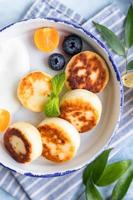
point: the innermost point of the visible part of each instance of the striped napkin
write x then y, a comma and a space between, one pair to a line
69, 186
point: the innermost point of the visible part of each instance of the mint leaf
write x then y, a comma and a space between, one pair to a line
112, 172
122, 185
91, 191
99, 165
87, 173
130, 65
112, 40
129, 28
58, 83
52, 107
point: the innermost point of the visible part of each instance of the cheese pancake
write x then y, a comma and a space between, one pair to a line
34, 89
87, 70
60, 139
81, 108
23, 142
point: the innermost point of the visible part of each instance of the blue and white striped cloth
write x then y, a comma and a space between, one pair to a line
69, 186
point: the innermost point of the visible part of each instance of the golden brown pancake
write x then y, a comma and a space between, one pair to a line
60, 139
81, 108
87, 70
33, 90
23, 142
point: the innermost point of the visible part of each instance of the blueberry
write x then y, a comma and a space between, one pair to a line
56, 61
72, 44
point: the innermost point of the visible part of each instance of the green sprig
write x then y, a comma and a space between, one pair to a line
100, 173
51, 108
118, 46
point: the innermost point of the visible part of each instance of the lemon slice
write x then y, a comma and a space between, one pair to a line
128, 80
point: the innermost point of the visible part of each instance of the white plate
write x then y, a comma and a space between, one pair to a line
95, 141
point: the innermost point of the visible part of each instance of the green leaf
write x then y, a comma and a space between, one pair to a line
58, 83
112, 40
87, 173
122, 185
113, 171
99, 165
130, 65
95, 168
129, 28
91, 191
52, 107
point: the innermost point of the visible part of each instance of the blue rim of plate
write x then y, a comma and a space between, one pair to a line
118, 77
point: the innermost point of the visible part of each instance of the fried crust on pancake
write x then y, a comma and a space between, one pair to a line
87, 70
60, 140
23, 142
81, 108
33, 90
